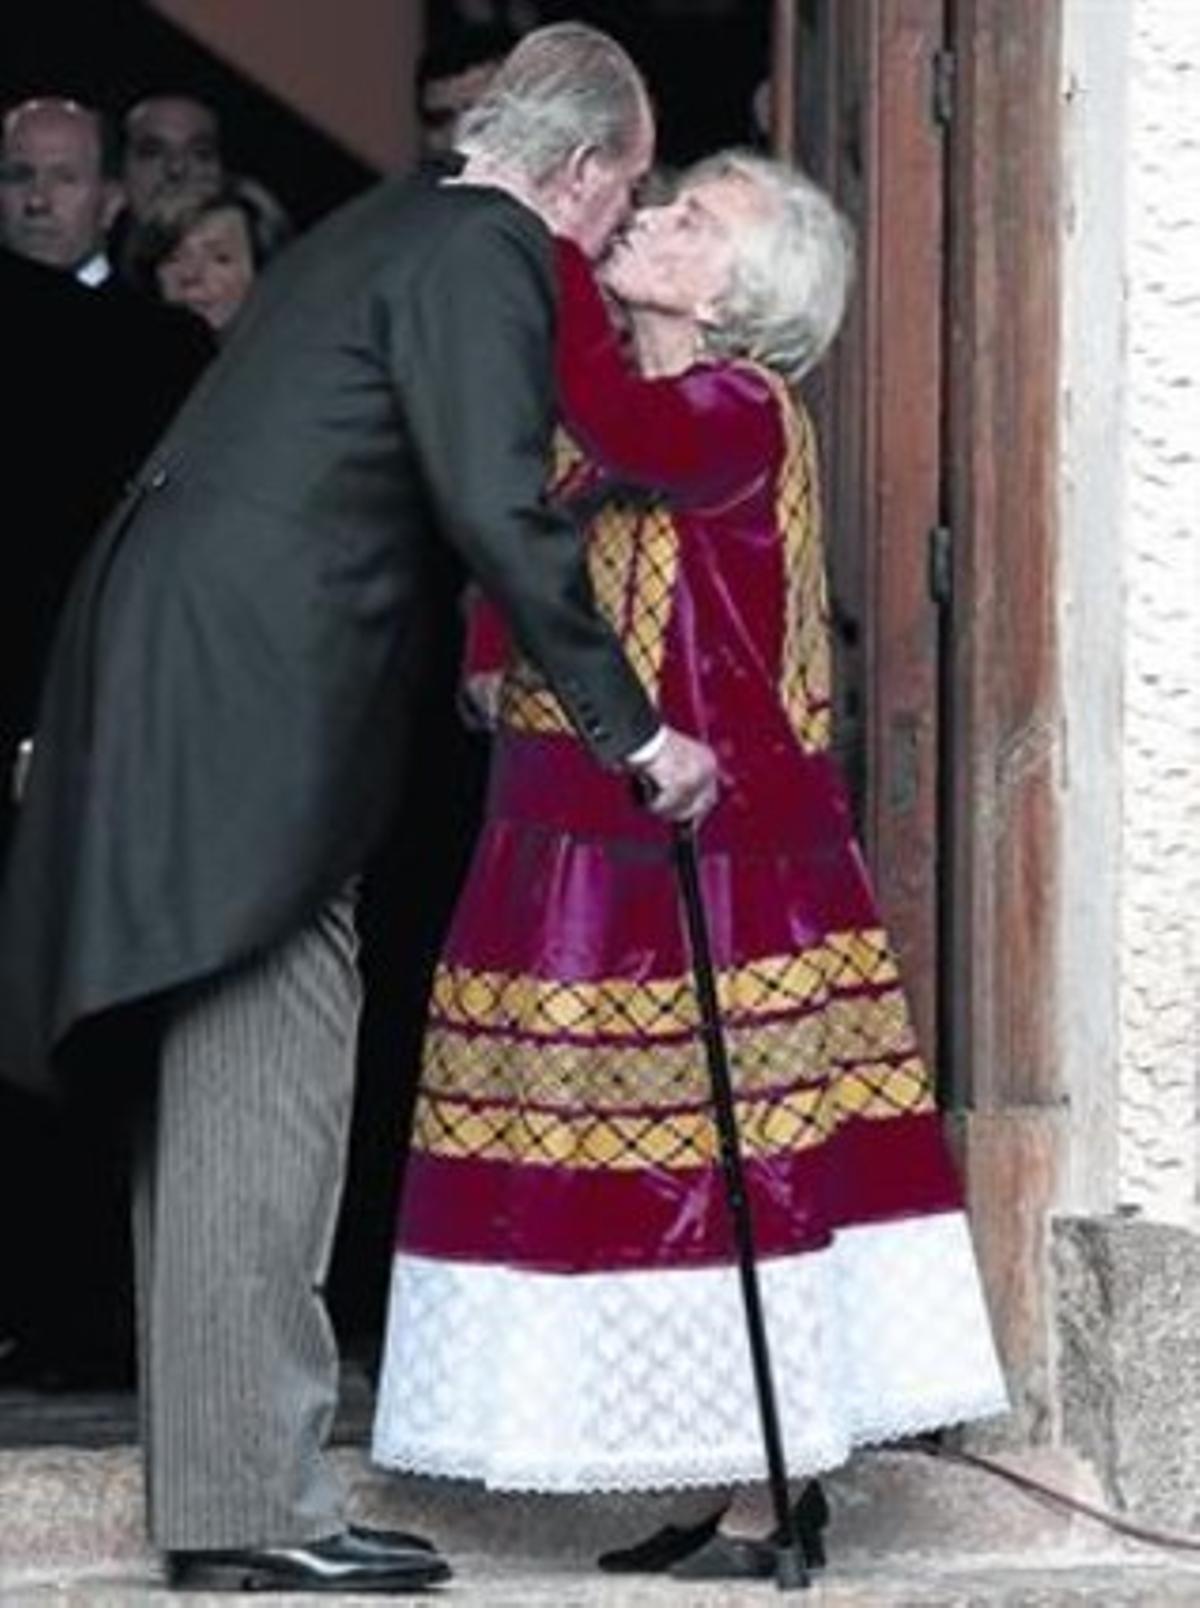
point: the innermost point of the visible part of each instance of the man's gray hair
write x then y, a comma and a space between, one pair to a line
792, 271
66, 107
563, 87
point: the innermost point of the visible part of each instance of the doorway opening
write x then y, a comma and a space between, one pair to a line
66, 1330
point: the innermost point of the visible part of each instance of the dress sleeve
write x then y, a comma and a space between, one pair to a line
702, 437
486, 639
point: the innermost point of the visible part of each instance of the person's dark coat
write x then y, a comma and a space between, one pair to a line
91, 380
223, 723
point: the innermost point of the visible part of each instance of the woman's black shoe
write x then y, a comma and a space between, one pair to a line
659, 1551
810, 1515
676, 1548
728, 1557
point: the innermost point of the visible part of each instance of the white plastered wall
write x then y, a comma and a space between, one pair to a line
1159, 1131
1130, 597
1095, 123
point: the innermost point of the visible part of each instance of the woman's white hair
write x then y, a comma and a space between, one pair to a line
562, 88
792, 270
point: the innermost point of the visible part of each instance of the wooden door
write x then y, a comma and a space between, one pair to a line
952, 177
857, 87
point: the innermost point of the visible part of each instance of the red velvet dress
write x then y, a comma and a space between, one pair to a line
565, 1314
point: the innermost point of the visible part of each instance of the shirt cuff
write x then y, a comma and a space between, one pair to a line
646, 753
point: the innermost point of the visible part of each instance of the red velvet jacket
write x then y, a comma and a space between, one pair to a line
712, 572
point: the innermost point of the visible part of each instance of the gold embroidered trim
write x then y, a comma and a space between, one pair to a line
765, 1056
807, 671
806, 1117
633, 557
616, 1007
633, 560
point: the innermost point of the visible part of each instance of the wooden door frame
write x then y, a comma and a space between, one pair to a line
1004, 715
998, 743
1002, 489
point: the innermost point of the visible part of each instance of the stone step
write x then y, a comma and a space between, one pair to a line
905, 1529
486, 1583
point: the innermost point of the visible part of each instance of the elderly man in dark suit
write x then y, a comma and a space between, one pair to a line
222, 740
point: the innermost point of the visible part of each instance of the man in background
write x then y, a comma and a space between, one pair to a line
92, 377
455, 68
93, 374
172, 155
58, 198
171, 160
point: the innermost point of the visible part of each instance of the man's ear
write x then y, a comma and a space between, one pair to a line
580, 166
553, 201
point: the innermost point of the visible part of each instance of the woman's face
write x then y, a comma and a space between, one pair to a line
212, 268
679, 258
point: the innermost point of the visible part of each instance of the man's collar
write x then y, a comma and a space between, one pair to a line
442, 164
95, 270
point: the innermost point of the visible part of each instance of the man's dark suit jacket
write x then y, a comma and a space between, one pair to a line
92, 380
224, 716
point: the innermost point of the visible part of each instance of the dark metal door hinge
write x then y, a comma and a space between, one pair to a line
941, 565
943, 87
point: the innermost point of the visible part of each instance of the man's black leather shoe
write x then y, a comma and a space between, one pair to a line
355, 1561
390, 1538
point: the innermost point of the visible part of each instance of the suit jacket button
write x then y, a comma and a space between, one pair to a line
158, 479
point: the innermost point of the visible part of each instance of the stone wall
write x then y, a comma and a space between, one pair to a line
1128, 1307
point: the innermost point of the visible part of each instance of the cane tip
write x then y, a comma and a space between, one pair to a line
790, 1572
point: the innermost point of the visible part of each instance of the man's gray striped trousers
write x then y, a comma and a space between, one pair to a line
238, 1172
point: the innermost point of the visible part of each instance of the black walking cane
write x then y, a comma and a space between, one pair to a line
790, 1571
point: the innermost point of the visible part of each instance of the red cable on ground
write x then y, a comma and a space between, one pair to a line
1047, 1493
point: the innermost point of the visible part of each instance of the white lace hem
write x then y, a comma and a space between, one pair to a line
637, 1381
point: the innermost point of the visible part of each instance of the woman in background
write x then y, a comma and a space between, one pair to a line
207, 257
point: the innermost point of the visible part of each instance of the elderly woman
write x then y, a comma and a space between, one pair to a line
207, 257
565, 1314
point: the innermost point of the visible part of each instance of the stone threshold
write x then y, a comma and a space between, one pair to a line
905, 1529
